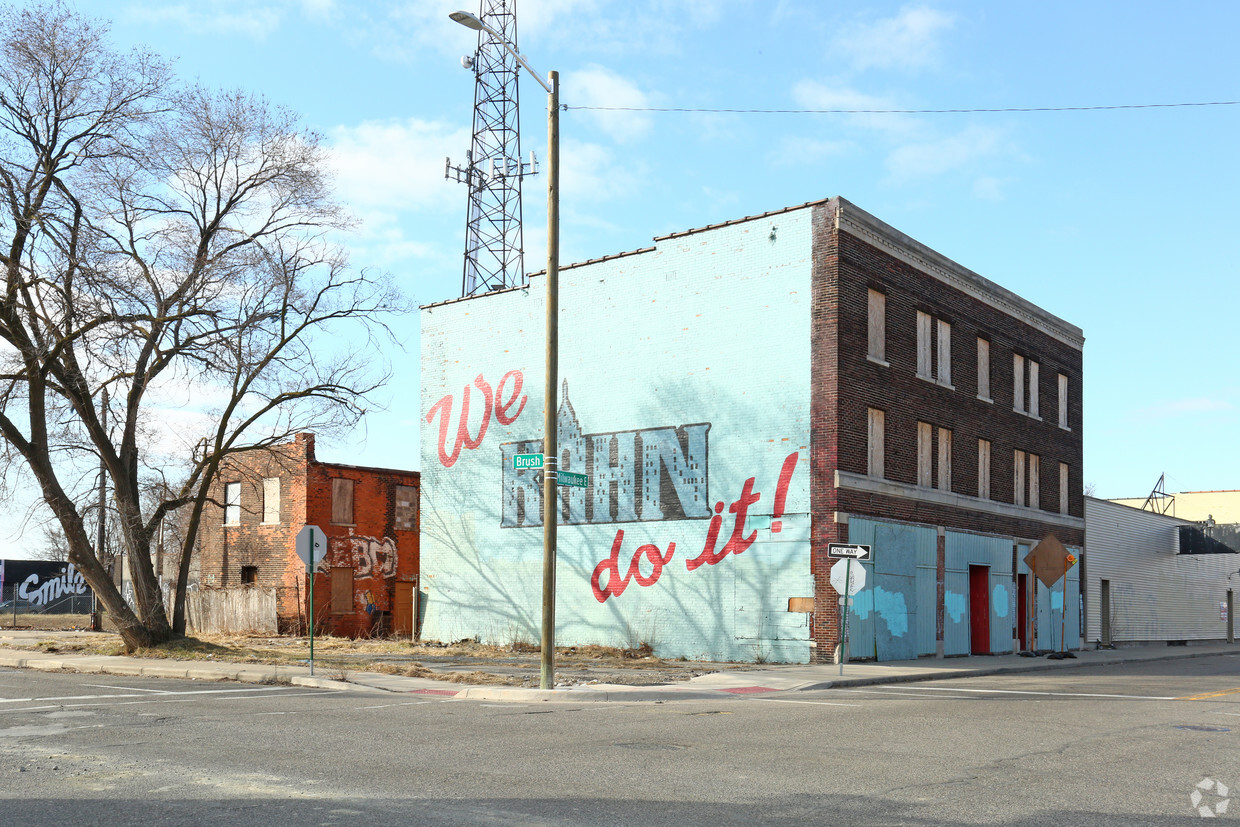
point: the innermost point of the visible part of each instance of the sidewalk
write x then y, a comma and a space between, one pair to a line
769, 679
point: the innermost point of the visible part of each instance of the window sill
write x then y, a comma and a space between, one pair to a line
877, 361
1065, 428
985, 399
947, 385
345, 525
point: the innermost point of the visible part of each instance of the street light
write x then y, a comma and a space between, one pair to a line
552, 85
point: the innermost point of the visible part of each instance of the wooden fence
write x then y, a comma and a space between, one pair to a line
231, 611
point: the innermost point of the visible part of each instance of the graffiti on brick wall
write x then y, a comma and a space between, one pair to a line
634, 476
368, 556
490, 403
737, 543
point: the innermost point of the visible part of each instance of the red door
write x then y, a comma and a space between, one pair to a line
979, 610
1022, 610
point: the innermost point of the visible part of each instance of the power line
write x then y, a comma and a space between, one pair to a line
897, 111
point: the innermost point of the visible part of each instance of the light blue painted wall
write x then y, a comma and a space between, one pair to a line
710, 328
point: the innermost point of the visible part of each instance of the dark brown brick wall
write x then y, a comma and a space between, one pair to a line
845, 384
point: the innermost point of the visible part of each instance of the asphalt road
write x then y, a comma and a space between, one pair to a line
1126, 744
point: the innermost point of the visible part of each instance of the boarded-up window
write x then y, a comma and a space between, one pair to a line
342, 501
1018, 481
1063, 401
876, 422
945, 459
945, 353
1035, 477
342, 590
923, 345
878, 326
925, 452
983, 369
406, 508
1033, 390
983, 469
1063, 488
1018, 382
271, 500
232, 503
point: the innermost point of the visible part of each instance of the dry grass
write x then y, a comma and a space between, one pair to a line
48, 622
417, 670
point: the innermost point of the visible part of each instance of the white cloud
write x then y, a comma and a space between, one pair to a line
910, 40
936, 157
813, 94
599, 86
242, 19
397, 164
794, 150
990, 189
1184, 407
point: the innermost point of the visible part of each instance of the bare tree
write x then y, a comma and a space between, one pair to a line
167, 252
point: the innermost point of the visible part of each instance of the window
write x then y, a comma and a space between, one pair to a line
945, 459
1033, 390
342, 501
342, 590
1018, 382
271, 500
1063, 402
1063, 487
406, 508
945, 354
923, 346
1018, 479
877, 327
983, 370
983, 469
1035, 479
249, 575
925, 452
232, 503
876, 425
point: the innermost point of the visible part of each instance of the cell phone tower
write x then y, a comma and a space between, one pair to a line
493, 169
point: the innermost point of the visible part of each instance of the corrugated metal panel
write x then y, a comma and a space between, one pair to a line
964, 550
1156, 593
893, 618
1052, 625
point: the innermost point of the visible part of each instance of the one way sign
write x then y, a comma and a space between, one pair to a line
844, 551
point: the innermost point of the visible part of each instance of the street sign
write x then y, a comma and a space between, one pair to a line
520, 462
303, 543
844, 551
855, 578
571, 479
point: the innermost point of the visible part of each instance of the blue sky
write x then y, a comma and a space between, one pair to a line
1121, 222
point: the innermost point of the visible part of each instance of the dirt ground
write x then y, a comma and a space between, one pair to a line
464, 661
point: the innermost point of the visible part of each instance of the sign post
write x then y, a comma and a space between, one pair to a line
847, 582
311, 546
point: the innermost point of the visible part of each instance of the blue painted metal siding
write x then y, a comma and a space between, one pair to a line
1051, 601
964, 550
893, 618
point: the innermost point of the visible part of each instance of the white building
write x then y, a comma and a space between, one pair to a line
1140, 588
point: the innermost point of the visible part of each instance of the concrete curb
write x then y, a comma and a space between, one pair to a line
327, 683
586, 695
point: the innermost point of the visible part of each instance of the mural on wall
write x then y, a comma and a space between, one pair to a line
495, 403
42, 584
634, 476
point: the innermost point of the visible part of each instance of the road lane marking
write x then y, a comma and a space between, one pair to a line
407, 703
1049, 694
232, 691
1204, 695
815, 703
893, 692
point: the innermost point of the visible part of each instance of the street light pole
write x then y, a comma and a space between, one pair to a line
550, 500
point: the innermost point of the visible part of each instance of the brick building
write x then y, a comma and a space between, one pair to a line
740, 396
366, 583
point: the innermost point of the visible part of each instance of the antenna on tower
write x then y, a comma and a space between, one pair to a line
493, 169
